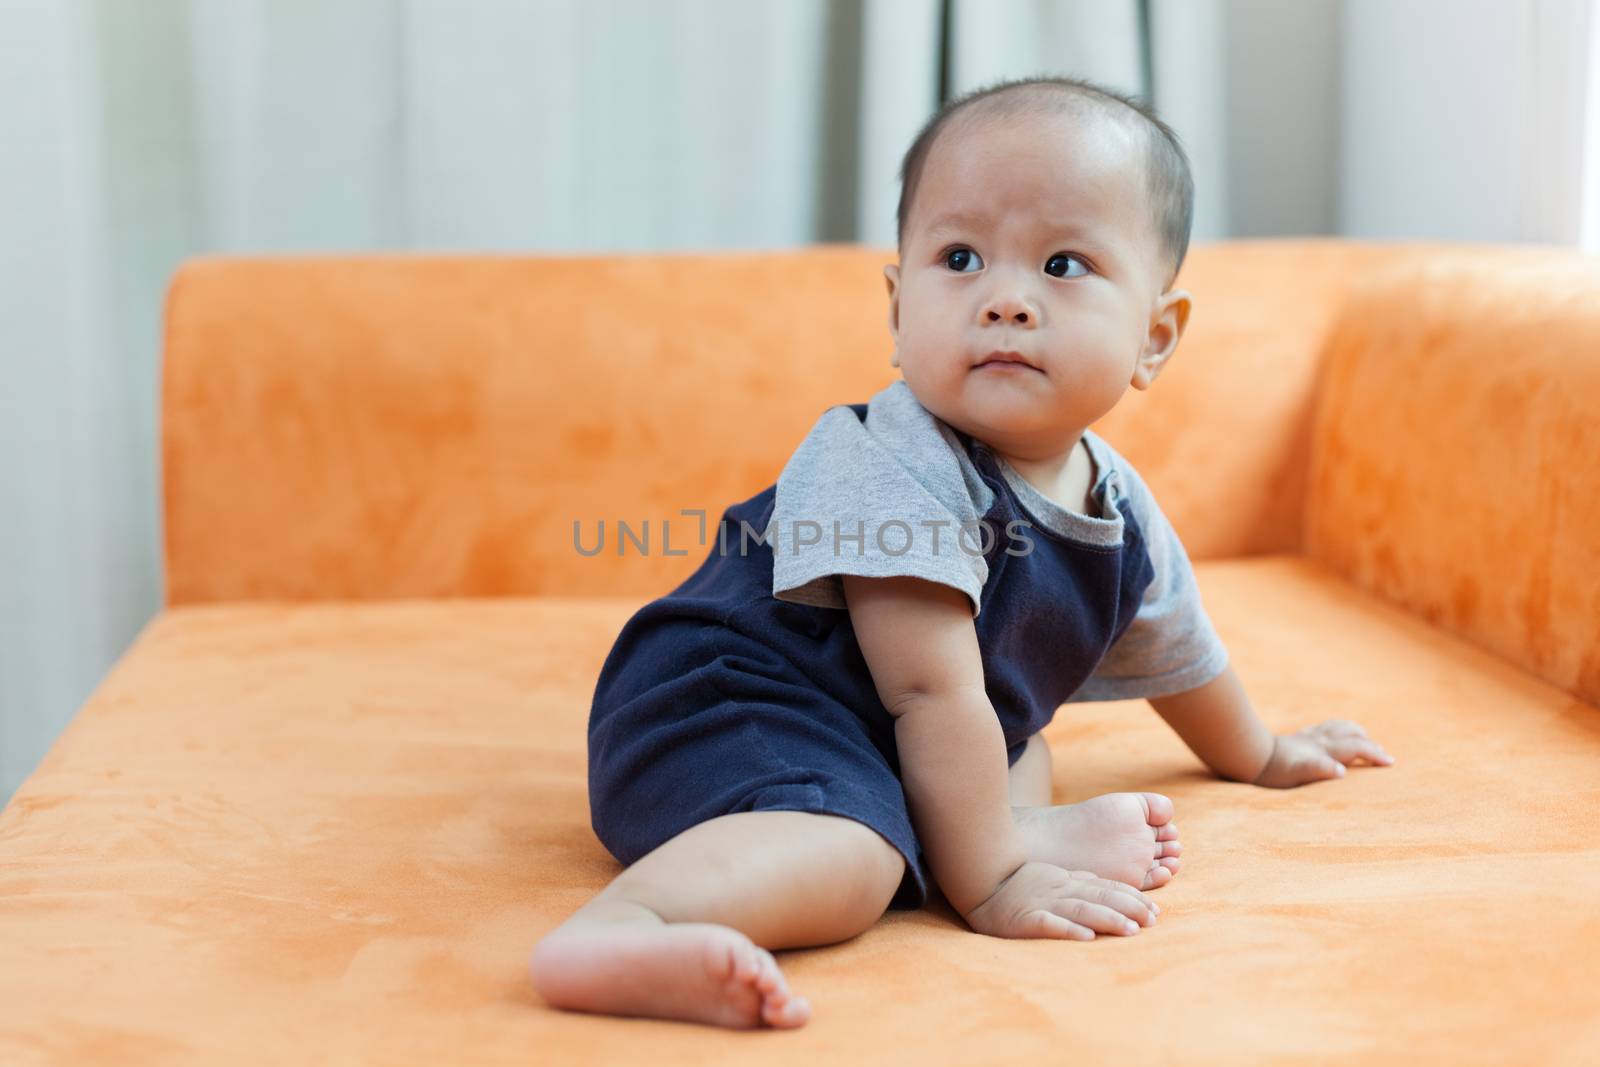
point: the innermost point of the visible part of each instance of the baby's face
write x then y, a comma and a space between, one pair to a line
1033, 236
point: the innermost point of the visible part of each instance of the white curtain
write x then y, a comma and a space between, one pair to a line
1470, 119
133, 134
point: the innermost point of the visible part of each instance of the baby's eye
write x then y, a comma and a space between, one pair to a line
967, 252
1062, 257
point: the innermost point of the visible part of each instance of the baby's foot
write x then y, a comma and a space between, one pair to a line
702, 972
1129, 837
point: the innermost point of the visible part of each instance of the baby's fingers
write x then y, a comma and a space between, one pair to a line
1049, 924
1096, 917
1124, 898
1319, 768
1350, 749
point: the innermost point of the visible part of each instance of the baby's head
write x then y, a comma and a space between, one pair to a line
1047, 218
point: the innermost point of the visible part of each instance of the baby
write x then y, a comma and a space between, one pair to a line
799, 737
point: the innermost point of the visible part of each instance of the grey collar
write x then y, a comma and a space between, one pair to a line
1065, 522
900, 405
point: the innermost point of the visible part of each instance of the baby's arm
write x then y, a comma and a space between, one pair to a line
921, 646
1218, 724
919, 641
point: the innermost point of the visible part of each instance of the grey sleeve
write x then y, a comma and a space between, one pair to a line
852, 502
1171, 644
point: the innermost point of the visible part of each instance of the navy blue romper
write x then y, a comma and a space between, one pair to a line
718, 697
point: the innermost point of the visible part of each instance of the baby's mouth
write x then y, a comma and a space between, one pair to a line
1006, 361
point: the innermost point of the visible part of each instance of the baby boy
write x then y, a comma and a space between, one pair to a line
792, 741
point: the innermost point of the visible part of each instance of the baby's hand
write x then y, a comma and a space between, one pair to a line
1043, 900
1319, 752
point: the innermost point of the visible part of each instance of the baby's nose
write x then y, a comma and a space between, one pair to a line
1010, 309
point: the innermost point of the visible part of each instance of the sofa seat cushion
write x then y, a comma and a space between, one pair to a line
337, 829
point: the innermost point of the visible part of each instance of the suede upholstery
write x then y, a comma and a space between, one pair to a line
325, 805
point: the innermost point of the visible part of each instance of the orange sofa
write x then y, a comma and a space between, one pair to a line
328, 801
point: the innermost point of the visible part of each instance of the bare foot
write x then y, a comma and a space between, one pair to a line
1129, 837
701, 972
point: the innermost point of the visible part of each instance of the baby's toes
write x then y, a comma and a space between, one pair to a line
784, 1010
1157, 808
746, 960
769, 979
1168, 848
1156, 876
1167, 832
779, 1007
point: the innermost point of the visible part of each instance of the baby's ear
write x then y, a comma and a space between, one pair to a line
1167, 323
891, 276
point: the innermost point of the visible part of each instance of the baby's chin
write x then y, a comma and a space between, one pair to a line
997, 424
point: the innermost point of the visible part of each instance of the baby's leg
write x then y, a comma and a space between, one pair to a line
1030, 776
684, 932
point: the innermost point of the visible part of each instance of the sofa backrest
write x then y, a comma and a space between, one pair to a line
428, 425
1456, 464
386, 426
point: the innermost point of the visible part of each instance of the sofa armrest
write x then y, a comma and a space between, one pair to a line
1455, 463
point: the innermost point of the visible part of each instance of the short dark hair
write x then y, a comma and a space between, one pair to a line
1171, 185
